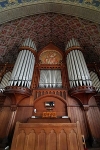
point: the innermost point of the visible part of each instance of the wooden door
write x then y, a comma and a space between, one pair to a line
47, 136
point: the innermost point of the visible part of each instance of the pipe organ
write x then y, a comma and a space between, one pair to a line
77, 70
24, 66
50, 86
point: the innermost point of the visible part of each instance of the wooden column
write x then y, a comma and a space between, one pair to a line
93, 139
16, 95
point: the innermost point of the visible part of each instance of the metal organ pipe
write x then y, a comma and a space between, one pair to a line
27, 67
24, 66
4, 81
74, 76
26, 70
69, 73
30, 71
50, 79
83, 76
19, 72
77, 69
95, 80
81, 73
88, 80
22, 74
71, 70
15, 69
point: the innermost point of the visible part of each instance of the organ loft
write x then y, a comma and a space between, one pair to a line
49, 99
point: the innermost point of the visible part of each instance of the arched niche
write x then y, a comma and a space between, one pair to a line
57, 105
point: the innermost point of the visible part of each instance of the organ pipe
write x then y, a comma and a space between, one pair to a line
95, 80
50, 79
4, 81
24, 65
77, 69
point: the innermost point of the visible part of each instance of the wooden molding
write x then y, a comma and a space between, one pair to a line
17, 94
28, 48
82, 93
73, 48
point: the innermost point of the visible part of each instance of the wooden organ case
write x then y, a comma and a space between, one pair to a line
48, 99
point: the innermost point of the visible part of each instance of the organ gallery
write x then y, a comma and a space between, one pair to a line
49, 99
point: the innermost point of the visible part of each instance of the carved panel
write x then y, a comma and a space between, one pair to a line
47, 136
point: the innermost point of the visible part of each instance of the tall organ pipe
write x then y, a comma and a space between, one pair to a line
15, 68
69, 73
73, 70
77, 69
69, 68
24, 66
89, 83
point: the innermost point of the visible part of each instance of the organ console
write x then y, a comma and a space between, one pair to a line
50, 75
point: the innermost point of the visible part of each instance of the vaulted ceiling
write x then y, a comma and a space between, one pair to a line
49, 21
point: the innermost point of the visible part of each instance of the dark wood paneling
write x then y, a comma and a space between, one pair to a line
77, 113
5, 115
23, 114
93, 116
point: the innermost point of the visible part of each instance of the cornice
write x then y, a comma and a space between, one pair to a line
16, 11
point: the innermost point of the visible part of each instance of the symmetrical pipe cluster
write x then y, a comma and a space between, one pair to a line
24, 66
77, 70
